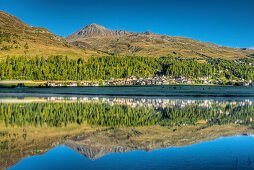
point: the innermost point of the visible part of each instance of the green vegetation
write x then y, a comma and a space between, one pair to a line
18, 38
26, 46
101, 114
103, 68
5, 40
234, 69
5, 37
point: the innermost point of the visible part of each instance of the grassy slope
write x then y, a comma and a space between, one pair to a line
161, 45
41, 42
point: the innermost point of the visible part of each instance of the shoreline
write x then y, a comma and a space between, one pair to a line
30, 84
99, 83
135, 91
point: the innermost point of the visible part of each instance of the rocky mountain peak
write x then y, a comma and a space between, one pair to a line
94, 25
92, 30
148, 33
95, 30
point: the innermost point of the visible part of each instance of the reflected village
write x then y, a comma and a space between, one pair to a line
132, 102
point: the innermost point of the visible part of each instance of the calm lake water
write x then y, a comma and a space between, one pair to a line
167, 90
236, 152
158, 127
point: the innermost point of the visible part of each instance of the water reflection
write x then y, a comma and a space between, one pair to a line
99, 126
224, 153
124, 112
157, 102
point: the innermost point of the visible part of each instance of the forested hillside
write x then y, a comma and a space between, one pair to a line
103, 68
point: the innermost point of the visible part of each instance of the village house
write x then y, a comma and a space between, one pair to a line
143, 83
158, 83
204, 81
54, 84
165, 82
50, 84
127, 82
95, 84
111, 83
149, 82
245, 84
105, 83
140, 78
133, 78
73, 84
249, 81
85, 83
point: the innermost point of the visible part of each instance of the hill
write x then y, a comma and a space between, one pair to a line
122, 42
18, 38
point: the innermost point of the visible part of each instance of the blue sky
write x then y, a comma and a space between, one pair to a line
223, 22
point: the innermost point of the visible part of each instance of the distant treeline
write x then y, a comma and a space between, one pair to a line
103, 68
101, 114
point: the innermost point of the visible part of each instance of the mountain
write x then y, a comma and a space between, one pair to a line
122, 42
95, 30
18, 38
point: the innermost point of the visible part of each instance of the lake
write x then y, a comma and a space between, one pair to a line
235, 152
151, 127
167, 90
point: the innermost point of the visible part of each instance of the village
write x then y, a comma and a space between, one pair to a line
157, 80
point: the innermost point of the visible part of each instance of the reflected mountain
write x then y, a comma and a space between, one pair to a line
119, 140
97, 142
234, 152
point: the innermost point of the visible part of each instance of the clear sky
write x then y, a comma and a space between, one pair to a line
223, 22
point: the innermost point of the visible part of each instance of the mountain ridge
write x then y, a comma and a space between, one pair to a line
94, 29
121, 42
17, 39
96, 40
